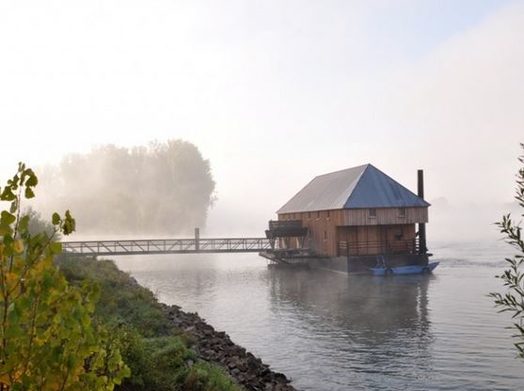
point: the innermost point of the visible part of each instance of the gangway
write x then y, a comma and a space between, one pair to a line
167, 246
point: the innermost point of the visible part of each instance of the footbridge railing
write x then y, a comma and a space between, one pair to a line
166, 246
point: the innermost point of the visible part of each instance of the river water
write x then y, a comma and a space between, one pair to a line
331, 331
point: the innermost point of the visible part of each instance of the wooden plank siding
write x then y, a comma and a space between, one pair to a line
363, 216
327, 228
385, 216
322, 229
377, 239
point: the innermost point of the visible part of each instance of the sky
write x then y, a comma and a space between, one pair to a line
276, 92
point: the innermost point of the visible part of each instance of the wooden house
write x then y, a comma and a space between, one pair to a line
356, 212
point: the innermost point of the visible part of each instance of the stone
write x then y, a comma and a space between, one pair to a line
216, 347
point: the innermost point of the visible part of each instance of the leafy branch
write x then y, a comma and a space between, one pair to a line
512, 300
47, 334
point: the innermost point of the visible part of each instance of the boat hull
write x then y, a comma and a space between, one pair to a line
402, 270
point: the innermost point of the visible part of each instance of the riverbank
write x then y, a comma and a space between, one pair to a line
217, 347
331, 331
166, 347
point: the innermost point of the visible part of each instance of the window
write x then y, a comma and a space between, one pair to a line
325, 235
328, 214
401, 212
372, 213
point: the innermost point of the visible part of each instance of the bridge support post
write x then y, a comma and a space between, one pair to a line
197, 239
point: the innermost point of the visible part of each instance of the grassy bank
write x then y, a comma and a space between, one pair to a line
159, 355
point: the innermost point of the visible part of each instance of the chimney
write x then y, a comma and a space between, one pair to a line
421, 226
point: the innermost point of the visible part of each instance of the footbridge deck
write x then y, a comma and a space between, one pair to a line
167, 246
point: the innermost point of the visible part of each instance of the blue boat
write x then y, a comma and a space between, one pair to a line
410, 269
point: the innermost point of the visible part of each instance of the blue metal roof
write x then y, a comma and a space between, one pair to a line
358, 187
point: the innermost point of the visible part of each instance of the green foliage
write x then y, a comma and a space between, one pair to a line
165, 188
159, 356
48, 340
512, 300
167, 364
123, 302
205, 377
170, 358
54, 337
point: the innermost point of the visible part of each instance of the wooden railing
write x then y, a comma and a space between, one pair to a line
377, 247
285, 228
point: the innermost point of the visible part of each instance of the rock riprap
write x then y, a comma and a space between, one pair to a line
216, 346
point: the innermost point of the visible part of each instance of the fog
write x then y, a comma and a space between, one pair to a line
274, 93
158, 190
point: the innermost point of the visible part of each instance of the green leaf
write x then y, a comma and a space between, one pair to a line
32, 180
7, 218
29, 193
24, 223
56, 219
69, 224
7, 194
5, 229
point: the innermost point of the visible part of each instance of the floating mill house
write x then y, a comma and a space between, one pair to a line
352, 220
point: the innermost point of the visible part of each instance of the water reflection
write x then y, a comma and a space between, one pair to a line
381, 325
337, 332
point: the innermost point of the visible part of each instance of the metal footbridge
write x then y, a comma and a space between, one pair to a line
166, 246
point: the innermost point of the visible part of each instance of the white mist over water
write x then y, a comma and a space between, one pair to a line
329, 331
273, 92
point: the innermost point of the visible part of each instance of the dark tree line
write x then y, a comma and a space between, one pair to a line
163, 188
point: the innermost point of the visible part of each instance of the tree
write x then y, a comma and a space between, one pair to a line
512, 300
48, 339
160, 189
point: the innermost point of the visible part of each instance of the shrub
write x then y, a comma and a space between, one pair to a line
48, 339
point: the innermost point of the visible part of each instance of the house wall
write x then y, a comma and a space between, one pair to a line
376, 239
363, 216
322, 229
383, 225
385, 216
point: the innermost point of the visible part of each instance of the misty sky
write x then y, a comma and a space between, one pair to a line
273, 92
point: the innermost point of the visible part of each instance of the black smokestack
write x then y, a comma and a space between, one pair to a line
421, 226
